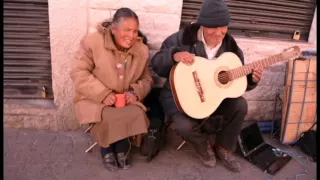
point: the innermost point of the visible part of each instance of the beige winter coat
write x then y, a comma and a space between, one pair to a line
95, 76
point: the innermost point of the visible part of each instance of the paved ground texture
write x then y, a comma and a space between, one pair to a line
43, 155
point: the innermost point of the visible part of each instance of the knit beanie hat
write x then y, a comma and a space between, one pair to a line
214, 13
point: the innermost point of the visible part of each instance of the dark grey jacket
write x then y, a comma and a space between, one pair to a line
186, 40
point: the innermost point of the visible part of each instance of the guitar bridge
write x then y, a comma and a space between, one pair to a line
198, 86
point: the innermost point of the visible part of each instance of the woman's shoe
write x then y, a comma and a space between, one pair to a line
110, 162
124, 160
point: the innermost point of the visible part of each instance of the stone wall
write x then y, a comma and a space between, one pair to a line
71, 19
68, 19
157, 19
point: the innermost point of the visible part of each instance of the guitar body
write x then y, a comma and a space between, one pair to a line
185, 91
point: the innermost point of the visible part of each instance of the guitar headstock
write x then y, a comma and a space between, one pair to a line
291, 53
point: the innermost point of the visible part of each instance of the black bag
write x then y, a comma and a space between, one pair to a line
154, 140
307, 143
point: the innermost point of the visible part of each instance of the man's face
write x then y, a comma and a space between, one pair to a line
214, 36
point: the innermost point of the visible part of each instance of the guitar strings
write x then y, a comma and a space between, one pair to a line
226, 76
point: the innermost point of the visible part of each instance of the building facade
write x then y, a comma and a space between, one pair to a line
69, 20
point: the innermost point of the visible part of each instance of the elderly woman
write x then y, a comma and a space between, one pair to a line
112, 61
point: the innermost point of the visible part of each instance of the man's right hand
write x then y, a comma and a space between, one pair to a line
110, 99
185, 57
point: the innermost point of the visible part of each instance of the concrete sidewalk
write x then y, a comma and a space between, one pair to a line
43, 155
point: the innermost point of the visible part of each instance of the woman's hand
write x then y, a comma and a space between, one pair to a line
130, 98
110, 99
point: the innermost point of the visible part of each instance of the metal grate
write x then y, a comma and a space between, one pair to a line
27, 60
262, 18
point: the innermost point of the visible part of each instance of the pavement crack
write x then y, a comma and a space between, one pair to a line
56, 137
34, 141
73, 142
198, 170
17, 134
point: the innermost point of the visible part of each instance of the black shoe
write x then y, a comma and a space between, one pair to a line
206, 154
110, 162
228, 159
124, 160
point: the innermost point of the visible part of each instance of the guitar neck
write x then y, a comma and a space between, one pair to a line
247, 69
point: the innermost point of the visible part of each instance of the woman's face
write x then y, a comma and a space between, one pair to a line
126, 32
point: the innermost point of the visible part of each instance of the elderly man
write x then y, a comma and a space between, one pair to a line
208, 38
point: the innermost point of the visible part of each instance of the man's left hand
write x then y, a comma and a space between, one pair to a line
257, 74
130, 98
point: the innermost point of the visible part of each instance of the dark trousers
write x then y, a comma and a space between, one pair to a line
232, 111
116, 147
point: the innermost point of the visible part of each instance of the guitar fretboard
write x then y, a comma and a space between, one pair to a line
247, 69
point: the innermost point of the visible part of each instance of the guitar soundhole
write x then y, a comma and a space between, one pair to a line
223, 77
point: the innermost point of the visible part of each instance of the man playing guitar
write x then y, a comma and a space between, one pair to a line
207, 38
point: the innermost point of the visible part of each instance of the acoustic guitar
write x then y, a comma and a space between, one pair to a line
198, 89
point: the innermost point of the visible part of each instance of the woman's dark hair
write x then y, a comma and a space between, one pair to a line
124, 13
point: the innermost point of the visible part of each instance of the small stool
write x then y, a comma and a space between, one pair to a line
87, 131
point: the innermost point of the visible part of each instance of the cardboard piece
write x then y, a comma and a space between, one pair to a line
299, 101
